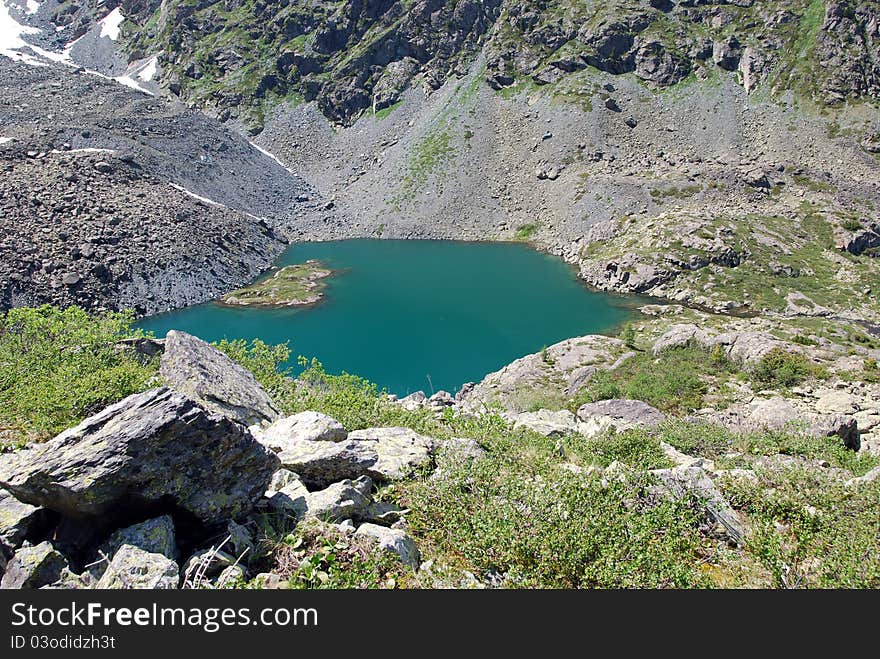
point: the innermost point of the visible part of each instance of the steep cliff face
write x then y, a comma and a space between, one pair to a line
242, 56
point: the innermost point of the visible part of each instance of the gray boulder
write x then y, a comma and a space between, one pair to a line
393, 540
305, 426
281, 479
681, 335
777, 413
134, 568
622, 414
34, 567
321, 463
290, 499
155, 536
344, 500
18, 521
153, 449
208, 376
547, 422
400, 451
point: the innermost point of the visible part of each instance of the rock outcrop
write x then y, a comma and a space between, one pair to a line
305, 426
191, 366
157, 449
557, 371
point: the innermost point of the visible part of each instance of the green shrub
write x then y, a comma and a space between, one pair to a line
510, 513
782, 368
673, 381
59, 366
526, 231
810, 530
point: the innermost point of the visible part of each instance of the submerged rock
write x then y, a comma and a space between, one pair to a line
151, 450
208, 376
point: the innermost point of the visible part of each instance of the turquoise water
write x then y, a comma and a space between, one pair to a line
418, 314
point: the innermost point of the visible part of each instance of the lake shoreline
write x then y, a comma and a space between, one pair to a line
419, 314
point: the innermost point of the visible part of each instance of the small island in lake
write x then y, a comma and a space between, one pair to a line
292, 286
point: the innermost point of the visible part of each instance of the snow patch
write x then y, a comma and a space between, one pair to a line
11, 32
4, 140
33, 6
128, 81
110, 24
211, 202
149, 71
272, 156
87, 149
12, 45
196, 196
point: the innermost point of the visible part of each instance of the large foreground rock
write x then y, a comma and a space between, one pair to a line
34, 567
305, 426
193, 367
401, 451
134, 568
321, 463
152, 450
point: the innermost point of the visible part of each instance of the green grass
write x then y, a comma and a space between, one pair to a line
516, 513
315, 555
384, 112
809, 530
57, 367
674, 381
526, 232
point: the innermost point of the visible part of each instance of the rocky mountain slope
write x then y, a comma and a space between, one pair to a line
720, 154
